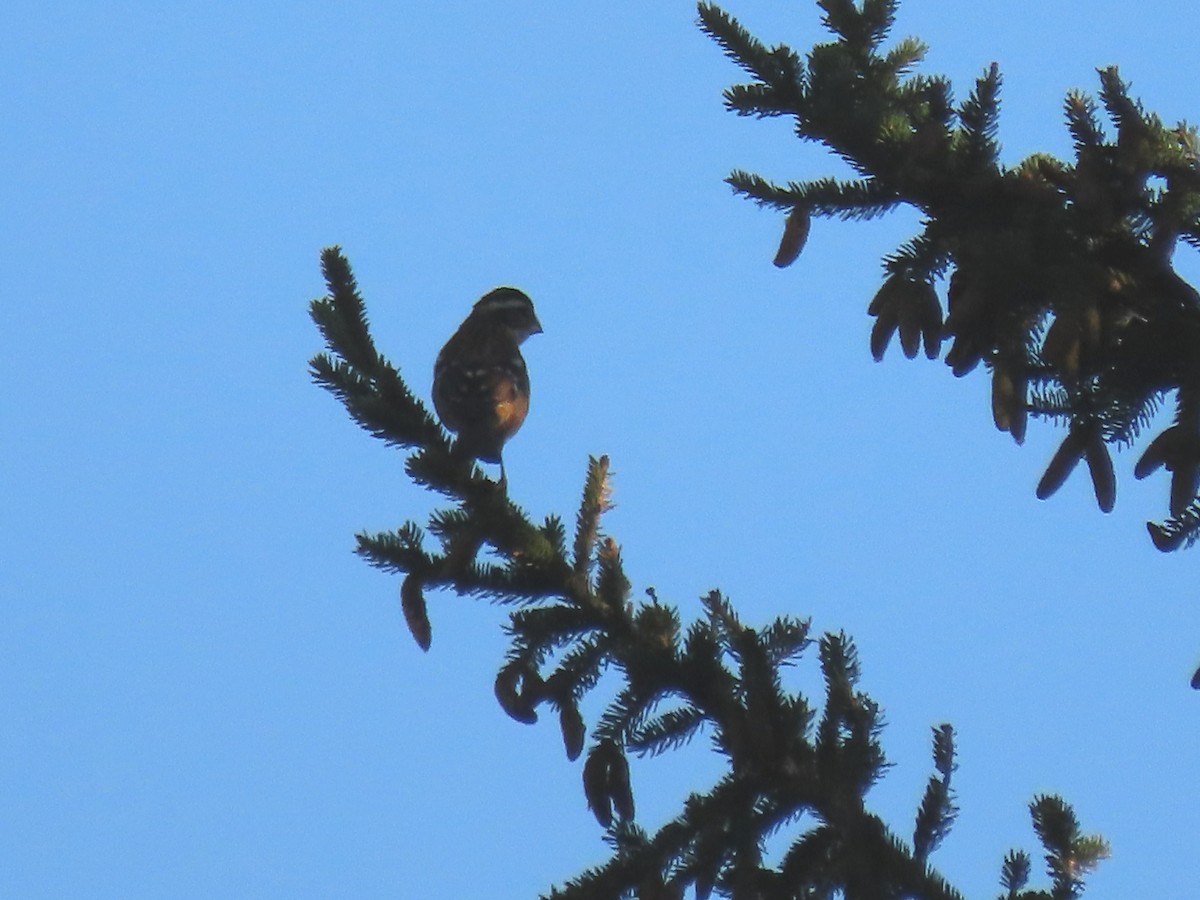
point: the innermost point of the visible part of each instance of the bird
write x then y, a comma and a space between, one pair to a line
480, 382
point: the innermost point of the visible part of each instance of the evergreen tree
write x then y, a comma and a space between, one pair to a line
1061, 286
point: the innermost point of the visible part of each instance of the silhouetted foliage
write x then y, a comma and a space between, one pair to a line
790, 762
1060, 282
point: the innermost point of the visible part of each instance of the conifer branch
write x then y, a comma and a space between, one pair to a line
1061, 284
1082, 121
575, 621
937, 811
980, 118
1069, 854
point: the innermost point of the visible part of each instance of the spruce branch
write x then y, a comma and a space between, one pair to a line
937, 811
1083, 122
1069, 854
777, 66
862, 29
980, 118
1061, 280
575, 622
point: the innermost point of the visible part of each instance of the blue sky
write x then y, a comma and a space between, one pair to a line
204, 693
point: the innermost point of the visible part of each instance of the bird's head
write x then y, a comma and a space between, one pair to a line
510, 309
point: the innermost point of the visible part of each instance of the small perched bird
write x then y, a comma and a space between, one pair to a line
480, 383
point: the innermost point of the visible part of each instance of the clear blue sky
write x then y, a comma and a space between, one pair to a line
203, 693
